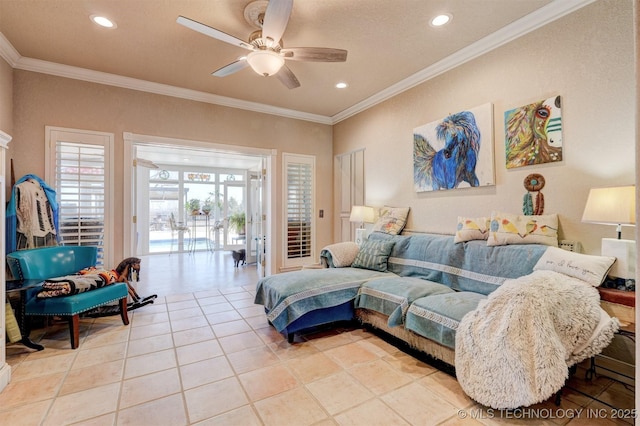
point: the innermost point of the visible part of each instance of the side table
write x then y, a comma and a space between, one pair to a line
617, 361
21, 287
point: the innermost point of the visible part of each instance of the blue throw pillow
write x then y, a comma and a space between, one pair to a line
373, 255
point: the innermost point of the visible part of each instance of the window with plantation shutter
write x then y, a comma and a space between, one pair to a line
299, 227
80, 171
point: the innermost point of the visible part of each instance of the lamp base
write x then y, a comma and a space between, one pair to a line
361, 235
625, 253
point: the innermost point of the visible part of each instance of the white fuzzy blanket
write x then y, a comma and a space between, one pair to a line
514, 350
343, 254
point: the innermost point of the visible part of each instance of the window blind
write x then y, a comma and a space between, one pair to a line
299, 209
80, 185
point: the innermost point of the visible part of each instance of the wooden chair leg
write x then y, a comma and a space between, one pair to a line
74, 330
123, 311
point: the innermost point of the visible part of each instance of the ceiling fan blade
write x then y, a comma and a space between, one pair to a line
287, 77
276, 18
231, 68
212, 32
315, 54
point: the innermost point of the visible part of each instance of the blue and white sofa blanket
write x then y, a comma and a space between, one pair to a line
288, 296
469, 266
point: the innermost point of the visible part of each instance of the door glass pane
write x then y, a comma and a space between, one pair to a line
199, 187
235, 214
164, 199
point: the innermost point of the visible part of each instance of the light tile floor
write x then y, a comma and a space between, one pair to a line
203, 354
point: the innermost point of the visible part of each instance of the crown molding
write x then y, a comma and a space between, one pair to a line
45, 67
539, 18
4, 140
8, 52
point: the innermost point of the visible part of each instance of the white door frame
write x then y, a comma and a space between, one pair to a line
131, 139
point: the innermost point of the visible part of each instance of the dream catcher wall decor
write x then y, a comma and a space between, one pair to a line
533, 183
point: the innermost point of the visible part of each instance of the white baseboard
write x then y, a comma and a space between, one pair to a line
5, 376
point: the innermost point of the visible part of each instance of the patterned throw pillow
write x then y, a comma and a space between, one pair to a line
392, 220
522, 229
373, 255
470, 228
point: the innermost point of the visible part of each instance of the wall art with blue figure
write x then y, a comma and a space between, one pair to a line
455, 152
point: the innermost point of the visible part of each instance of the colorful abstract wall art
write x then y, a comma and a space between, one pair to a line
533, 133
455, 152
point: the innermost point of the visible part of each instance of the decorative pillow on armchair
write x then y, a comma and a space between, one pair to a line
522, 229
392, 220
470, 228
373, 255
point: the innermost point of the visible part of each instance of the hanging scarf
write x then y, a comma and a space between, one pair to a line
11, 219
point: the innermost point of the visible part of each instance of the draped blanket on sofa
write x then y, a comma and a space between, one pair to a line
287, 297
514, 350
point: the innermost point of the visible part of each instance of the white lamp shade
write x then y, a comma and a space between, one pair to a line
613, 206
361, 214
265, 62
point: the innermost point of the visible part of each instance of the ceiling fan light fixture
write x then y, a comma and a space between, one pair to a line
265, 62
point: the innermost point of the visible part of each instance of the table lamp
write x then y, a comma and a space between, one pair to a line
361, 215
615, 206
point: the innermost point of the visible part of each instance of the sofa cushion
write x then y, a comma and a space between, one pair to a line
392, 296
588, 268
472, 228
392, 220
523, 229
373, 255
437, 317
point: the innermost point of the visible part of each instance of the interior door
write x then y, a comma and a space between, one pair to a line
235, 204
254, 214
260, 218
140, 205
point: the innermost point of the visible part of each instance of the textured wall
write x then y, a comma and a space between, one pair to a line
41, 100
586, 57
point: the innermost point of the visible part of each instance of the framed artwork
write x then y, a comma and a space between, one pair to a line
533, 133
454, 152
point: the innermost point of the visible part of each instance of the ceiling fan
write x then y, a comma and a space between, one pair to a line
267, 54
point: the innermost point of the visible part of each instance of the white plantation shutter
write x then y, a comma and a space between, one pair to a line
299, 225
81, 163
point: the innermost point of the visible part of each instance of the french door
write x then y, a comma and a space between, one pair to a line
230, 164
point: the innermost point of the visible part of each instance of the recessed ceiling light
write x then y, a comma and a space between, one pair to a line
440, 20
102, 21
341, 85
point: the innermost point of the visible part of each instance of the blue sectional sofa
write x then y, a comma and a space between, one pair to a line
437, 283
517, 312
445, 279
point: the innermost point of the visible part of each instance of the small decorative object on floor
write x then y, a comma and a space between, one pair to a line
533, 183
238, 256
126, 271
